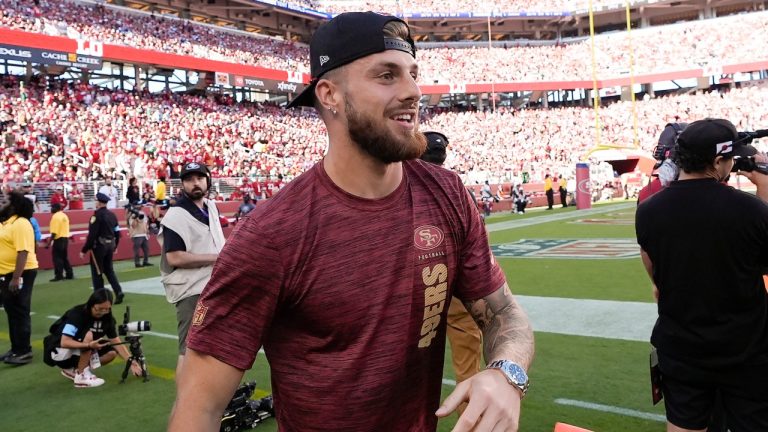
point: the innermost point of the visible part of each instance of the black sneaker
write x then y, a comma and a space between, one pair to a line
6, 355
19, 359
56, 279
147, 264
119, 298
69, 277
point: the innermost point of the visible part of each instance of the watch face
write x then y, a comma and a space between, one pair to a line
518, 374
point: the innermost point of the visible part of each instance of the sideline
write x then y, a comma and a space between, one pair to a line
511, 224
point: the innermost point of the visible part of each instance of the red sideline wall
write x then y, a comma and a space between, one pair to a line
78, 222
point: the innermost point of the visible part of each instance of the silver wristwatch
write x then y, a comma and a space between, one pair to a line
514, 373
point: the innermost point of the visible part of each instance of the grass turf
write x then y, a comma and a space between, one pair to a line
36, 397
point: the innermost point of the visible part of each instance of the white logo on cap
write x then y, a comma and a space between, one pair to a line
725, 147
193, 165
324, 60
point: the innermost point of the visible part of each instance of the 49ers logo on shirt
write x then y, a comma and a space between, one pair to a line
199, 317
428, 237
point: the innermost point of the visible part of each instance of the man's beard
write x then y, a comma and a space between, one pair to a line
378, 140
195, 194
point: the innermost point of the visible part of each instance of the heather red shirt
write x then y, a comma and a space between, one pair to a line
349, 298
648, 190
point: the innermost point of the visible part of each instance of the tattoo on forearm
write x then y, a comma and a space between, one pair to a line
507, 334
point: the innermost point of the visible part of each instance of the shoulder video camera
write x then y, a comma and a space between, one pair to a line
134, 211
243, 413
749, 163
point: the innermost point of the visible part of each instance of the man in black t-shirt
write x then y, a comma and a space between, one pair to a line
82, 331
705, 246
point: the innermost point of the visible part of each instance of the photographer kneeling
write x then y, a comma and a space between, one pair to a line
82, 331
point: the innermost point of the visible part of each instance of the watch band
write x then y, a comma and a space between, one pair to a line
513, 372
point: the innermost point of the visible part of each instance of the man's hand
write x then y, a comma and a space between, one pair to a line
755, 177
494, 404
82, 255
135, 368
758, 179
13, 286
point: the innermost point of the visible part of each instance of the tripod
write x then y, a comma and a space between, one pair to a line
134, 346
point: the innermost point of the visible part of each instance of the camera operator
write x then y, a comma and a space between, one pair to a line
82, 331
705, 246
191, 239
138, 230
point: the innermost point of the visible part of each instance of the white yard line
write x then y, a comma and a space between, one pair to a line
510, 224
612, 409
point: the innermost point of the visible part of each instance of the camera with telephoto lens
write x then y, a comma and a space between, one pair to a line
243, 413
748, 163
129, 326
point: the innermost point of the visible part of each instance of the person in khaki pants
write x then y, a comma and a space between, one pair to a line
463, 333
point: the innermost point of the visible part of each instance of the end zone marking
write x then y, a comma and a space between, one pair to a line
590, 248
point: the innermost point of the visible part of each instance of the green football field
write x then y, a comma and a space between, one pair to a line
576, 272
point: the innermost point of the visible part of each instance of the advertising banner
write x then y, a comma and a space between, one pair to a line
50, 57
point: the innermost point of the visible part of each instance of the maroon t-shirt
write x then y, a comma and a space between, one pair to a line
349, 298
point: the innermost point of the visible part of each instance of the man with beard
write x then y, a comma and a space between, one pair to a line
345, 278
191, 238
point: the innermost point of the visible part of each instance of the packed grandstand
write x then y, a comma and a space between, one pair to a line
65, 127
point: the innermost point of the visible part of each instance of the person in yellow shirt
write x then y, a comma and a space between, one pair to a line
18, 269
160, 200
160, 191
60, 240
548, 191
563, 191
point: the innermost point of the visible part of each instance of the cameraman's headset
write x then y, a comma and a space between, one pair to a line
663, 151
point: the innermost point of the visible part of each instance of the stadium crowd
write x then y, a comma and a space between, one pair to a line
70, 132
476, 6
79, 132
150, 32
699, 44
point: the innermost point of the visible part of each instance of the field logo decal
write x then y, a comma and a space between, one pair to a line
613, 248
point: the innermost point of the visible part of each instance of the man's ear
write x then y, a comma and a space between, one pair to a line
328, 95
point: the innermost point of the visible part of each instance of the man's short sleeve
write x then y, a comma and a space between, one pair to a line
23, 236
55, 227
236, 308
478, 274
172, 242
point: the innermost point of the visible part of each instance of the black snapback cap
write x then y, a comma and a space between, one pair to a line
344, 39
714, 137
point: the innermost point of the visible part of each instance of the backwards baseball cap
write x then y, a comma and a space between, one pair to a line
436, 144
714, 137
194, 167
344, 39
